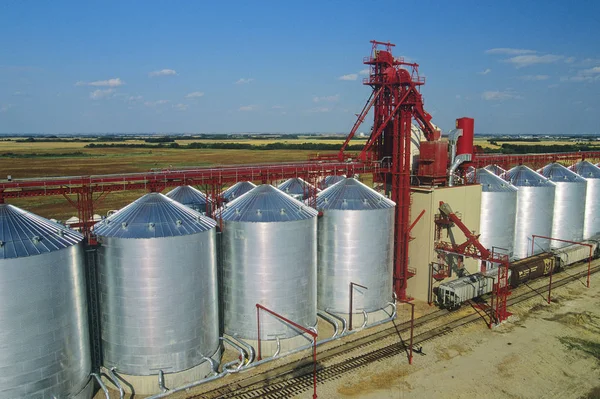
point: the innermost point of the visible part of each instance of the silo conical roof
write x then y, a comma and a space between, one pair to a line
350, 194
296, 186
558, 173
237, 190
495, 169
586, 169
23, 233
492, 183
187, 195
266, 203
522, 176
331, 180
152, 216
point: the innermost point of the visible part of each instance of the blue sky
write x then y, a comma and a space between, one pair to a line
282, 66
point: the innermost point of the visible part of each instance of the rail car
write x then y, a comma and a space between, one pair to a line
452, 294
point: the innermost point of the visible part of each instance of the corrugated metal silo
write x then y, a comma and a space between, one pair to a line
190, 197
44, 335
591, 173
158, 292
330, 181
569, 204
498, 212
535, 204
297, 188
237, 190
355, 245
269, 258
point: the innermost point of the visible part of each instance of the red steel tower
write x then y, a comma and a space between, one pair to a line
396, 101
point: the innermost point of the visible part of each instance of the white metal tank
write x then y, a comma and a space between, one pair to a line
591, 173
569, 204
44, 335
535, 205
190, 197
498, 212
237, 190
355, 245
298, 188
269, 258
158, 291
330, 181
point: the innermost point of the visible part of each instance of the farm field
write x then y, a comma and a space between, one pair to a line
69, 158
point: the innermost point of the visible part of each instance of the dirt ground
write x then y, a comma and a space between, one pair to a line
542, 351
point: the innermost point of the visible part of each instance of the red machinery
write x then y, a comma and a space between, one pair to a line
472, 248
396, 101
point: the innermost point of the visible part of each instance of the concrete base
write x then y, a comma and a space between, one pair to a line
269, 347
87, 392
148, 384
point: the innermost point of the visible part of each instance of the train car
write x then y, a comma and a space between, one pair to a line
574, 253
452, 294
524, 270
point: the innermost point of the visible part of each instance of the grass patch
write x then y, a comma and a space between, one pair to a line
583, 345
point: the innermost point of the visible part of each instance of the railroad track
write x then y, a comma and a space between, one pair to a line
293, 380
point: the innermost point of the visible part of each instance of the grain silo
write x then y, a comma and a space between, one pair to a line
237, 190
298, 188
495, 169
190, 197
535, 204
158, 293
569, 204
269, 258
330, 181
355, 245
44, 335
591, 173
498, 212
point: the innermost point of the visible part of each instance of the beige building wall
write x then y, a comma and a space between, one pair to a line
465, 201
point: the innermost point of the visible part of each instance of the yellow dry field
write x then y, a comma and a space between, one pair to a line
484, 143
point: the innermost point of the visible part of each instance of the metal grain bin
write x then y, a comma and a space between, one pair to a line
535, 205
269, 258
158, 287
190, 197
330, 181
498, 212
237, 190
298, 188
355, 245
495, 169
44, 336
591, 173
569, 204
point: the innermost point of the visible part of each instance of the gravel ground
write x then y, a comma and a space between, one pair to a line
542, 351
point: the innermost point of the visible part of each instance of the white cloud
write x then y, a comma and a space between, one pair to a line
243, 81
585, 75
503, 95
248, 108
509, 51
114, 82
350, 76
521, 61
100, 93
570, 60
195, 94
330, 99
485, 71
156, 103
181, 107
277, 107
553, 86
535, 77
320, 109
18, 93
365, 71
163, 72
5, 107
135, 98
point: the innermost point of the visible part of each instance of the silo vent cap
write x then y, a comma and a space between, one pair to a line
151, 225
178, 222
282, 211
258, 212
124, 225
1, 243
36, 239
